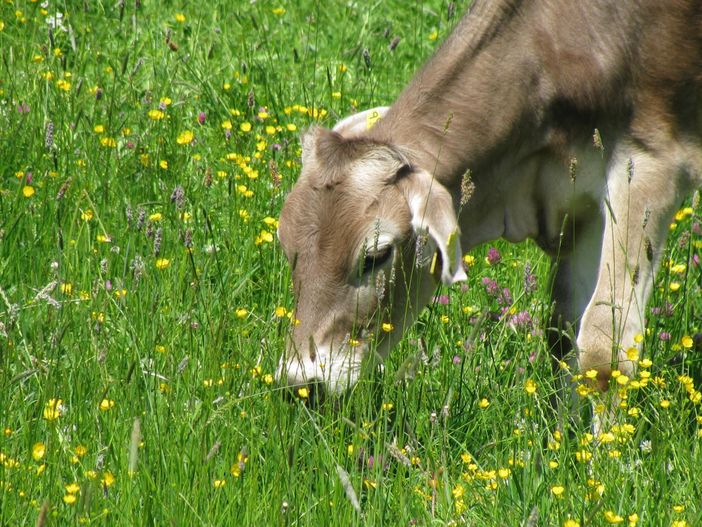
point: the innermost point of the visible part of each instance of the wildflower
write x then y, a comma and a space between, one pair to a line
469, 260
219, 483
108, 142
28, 191
80, 450
156, 115
687, 342
591, 374
303, 393
72, 488
387, 327
163, 164
583, 455
612, 517
530, 387
66, 288
678, 268
606, 437
108, 479
622, 379
53, 409
570, 522
278, 11
245, 127
38, 451
180, 18
162, 263
584, 390
106, 404
178, 197
280, 312
433, 35
493, 256
530, 284
156, 216
69, 499
504, 473
264, 237
185, 138
484, 403
241, 313
557, 490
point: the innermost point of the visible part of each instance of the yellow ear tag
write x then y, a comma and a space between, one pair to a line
433, 263
372, 118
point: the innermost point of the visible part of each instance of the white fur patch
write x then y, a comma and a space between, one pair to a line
337, 372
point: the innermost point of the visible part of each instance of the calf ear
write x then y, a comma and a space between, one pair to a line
358, 123
434, 216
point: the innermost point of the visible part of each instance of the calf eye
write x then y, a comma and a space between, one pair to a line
375, 259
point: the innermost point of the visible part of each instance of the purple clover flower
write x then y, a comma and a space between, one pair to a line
493, 256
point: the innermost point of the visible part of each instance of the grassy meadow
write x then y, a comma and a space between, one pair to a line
146, 149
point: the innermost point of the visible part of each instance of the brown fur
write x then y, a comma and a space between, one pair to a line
514, 95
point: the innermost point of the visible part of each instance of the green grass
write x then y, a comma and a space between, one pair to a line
161, 353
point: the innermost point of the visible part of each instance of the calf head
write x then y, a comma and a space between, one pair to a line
367, 235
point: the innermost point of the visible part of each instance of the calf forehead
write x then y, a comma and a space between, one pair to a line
331, 222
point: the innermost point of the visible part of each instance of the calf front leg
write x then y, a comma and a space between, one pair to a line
642, 194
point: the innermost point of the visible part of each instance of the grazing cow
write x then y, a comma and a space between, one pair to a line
579, 125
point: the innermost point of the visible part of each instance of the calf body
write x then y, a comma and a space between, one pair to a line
579, 124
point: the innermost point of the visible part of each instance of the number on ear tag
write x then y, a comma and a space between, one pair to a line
372, 118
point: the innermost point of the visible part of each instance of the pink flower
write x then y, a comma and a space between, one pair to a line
493, 256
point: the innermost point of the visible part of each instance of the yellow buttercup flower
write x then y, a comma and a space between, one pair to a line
52, 409
185, 138
530, 387
557, 490
106, 404
156, 115
38, 451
